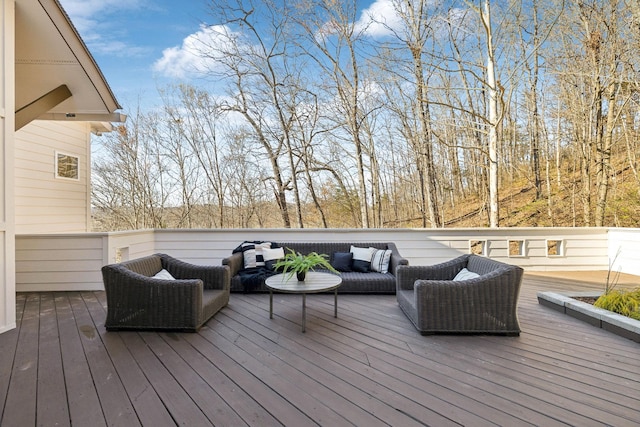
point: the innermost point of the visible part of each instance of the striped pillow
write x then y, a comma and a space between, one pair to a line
380, 260
252, 253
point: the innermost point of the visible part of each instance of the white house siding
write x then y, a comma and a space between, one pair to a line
623, 247
584, 248
72, 262
44, 203
126, 245
55, 262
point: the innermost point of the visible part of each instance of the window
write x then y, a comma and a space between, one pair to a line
478, 247
554, 248
516, 248
67, 166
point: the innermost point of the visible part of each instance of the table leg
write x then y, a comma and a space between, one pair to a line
304, 312
270, 304
335, 303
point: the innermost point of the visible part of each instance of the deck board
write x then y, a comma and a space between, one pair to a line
368, 366
51, 404
7, 354
115, 403
20, 405
82, 396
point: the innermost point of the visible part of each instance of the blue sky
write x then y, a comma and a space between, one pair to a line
127, 38
141, 45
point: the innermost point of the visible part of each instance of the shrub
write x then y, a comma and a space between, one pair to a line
626, 303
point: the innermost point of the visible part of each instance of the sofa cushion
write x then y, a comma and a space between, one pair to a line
252, 253
380, 260
341, 261
361, 258
371, 282
271, 256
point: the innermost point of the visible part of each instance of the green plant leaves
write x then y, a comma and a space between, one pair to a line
294, 262
626, 303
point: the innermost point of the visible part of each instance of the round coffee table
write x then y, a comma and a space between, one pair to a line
315, 282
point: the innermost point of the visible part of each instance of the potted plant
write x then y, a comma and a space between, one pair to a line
298, 264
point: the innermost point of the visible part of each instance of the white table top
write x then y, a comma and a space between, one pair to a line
314, 282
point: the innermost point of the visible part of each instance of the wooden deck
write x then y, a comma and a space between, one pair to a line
368, 367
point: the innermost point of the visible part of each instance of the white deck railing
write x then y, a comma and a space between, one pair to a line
55, 262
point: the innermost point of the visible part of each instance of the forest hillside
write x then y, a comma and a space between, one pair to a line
325, 114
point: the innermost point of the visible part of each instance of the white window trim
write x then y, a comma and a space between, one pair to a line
482, 242
522, 245
57, 155
560, 243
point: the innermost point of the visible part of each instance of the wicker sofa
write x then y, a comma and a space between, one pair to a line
137, 300
352, 281
435, 303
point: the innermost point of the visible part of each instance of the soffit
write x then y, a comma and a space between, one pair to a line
50, 53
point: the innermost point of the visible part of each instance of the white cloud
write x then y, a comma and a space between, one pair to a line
380, 19
194, 56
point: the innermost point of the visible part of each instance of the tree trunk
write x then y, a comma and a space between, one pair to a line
494, 120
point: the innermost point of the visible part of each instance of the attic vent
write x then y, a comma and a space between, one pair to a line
45, 61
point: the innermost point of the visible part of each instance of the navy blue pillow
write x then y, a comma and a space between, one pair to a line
341, 261
361, 265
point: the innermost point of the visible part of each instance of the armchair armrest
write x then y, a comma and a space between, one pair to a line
235, 262
407, 275
212, 276
396, 259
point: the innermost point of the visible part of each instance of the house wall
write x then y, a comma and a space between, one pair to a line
583, 248
7, 130
57, 262
72, 262
623, 250
44, 203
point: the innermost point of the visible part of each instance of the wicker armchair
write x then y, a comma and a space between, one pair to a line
136, 300
435, 303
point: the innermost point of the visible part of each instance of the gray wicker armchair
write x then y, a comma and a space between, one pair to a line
483, 305
136, 300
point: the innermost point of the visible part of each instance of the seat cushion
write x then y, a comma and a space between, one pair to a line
212, 301
371, 282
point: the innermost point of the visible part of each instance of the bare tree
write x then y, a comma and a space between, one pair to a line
128, 177
255, 63
415, 31
332, 40
196, 115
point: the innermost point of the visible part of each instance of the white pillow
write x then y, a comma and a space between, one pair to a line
380, 260
465, 274
269, 254
164, 275
363, 254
